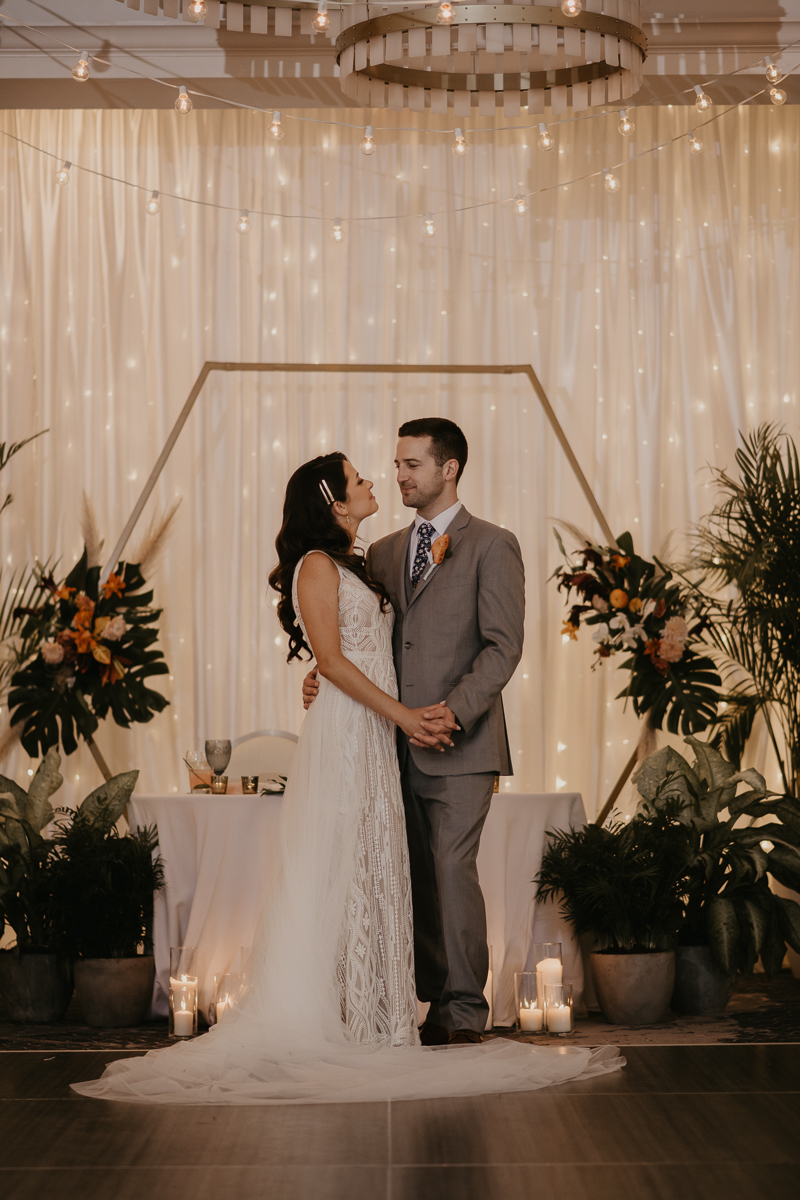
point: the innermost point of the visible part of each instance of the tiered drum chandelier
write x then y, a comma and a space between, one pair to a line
488, 56
568, 53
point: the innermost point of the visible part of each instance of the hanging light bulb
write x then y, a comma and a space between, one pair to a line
445, 14
321, 20
338, 232
368, 142
610, 182
62, 174
243, 224
521, 206
626, 125
695, 144
546, 140
571, 8
81, 69
777, 95
430, 227
197, 9
773, 72
153, 205
275, 127
703, 101
183, 104
460, 147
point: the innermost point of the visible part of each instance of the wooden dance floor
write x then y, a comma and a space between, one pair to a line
682, 1122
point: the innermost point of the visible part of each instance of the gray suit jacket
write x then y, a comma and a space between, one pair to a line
458, 638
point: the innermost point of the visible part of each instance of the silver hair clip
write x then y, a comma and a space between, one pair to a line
326, 491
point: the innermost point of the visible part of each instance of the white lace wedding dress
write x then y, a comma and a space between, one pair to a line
329, 1014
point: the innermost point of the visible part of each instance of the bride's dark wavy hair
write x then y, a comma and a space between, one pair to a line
309, 524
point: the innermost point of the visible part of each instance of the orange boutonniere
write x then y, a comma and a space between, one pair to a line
439, 548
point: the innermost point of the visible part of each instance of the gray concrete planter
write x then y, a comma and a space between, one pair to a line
37, 988
701, 988
114, 992
634, 989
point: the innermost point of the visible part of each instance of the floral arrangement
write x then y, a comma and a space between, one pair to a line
637, 606
90, 651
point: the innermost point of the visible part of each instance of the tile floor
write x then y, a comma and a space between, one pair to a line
678, 1123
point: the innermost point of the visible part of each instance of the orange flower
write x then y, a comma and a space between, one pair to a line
635, 605
618, 598
84, 642
439, 548
620, 561
83, 619
115, 584
571, 631
64, 592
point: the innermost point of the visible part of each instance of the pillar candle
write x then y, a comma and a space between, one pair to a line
530, 1019
559, 1020
183, 1021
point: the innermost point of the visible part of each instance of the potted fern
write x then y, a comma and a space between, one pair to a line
35, 981
103, 888
620, 885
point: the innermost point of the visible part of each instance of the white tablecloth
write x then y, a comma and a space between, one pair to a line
220, 853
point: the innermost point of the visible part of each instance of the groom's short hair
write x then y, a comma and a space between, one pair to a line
447, 440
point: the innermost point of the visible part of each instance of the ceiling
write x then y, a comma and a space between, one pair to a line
688, 43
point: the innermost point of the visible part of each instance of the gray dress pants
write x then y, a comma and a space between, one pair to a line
444, 820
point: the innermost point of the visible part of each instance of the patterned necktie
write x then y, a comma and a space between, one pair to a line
424, 535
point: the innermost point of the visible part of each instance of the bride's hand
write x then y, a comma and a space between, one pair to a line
427, 731
310, 688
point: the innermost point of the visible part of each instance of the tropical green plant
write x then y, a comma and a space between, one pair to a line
91, 649
620, 884
638, 606
20, 588
734, 839
103, 883
747, 552
26, 900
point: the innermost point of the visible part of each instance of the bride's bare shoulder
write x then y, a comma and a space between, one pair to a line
318, 569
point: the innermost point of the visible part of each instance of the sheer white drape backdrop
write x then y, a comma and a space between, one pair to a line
660, 320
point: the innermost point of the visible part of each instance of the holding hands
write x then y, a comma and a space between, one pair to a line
428, 728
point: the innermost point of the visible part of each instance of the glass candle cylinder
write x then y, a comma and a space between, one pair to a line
183, 985
547, 966
228, 990
529, 1013
558, 1015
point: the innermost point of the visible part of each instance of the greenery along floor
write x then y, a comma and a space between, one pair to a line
759, 1011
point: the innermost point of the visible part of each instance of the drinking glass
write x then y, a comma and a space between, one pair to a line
218, 754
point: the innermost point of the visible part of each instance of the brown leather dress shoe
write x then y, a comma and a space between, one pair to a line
464, 1037
431, 1034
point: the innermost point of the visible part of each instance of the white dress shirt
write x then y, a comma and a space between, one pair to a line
439, 523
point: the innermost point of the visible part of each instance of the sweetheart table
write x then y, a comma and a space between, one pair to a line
220, 855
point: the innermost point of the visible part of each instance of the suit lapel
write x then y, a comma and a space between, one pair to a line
456, 531
401, 566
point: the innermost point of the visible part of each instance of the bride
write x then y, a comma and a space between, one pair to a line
330, 1013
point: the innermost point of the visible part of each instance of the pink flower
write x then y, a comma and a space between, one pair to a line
676, 630
599, 604
670, 650
52, 653
82, 601
115, 629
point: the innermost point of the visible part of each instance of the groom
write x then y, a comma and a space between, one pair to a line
457, 638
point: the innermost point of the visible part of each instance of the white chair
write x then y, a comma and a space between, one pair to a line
266, 753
